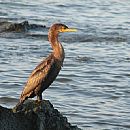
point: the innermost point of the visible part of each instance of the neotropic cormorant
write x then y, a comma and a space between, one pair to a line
46, 72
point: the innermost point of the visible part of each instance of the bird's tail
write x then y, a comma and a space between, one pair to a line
19, 104
18, 107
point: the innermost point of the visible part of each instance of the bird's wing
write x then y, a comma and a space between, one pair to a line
38, 75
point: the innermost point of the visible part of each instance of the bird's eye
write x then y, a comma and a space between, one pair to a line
63, 28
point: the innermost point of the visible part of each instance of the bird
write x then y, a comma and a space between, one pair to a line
47, 71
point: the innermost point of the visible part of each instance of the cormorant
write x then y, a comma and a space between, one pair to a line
46, 72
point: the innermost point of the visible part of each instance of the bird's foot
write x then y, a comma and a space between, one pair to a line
38, 102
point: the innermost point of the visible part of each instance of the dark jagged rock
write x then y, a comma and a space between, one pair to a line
34, 116
6, 26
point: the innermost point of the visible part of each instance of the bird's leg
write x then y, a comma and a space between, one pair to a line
39, 98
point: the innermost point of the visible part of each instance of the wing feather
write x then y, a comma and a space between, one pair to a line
38, 75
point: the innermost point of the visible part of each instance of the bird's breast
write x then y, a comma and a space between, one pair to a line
52, 74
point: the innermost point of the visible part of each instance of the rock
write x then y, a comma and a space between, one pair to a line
34, 116
6, 26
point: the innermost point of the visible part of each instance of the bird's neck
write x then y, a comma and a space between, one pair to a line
58, 50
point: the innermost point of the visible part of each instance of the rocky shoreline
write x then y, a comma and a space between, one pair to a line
34, 116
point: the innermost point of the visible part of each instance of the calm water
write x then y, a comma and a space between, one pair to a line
92, 89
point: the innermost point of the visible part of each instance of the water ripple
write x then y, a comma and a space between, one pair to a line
92, 89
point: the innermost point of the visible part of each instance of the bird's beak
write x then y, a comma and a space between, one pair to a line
69, 30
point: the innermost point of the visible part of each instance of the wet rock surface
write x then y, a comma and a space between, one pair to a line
34, 116
6, 26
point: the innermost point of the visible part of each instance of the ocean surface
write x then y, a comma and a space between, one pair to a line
93, 87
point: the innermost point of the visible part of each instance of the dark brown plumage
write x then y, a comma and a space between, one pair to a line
46, 72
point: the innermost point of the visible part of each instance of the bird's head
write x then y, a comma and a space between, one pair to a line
59, 28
